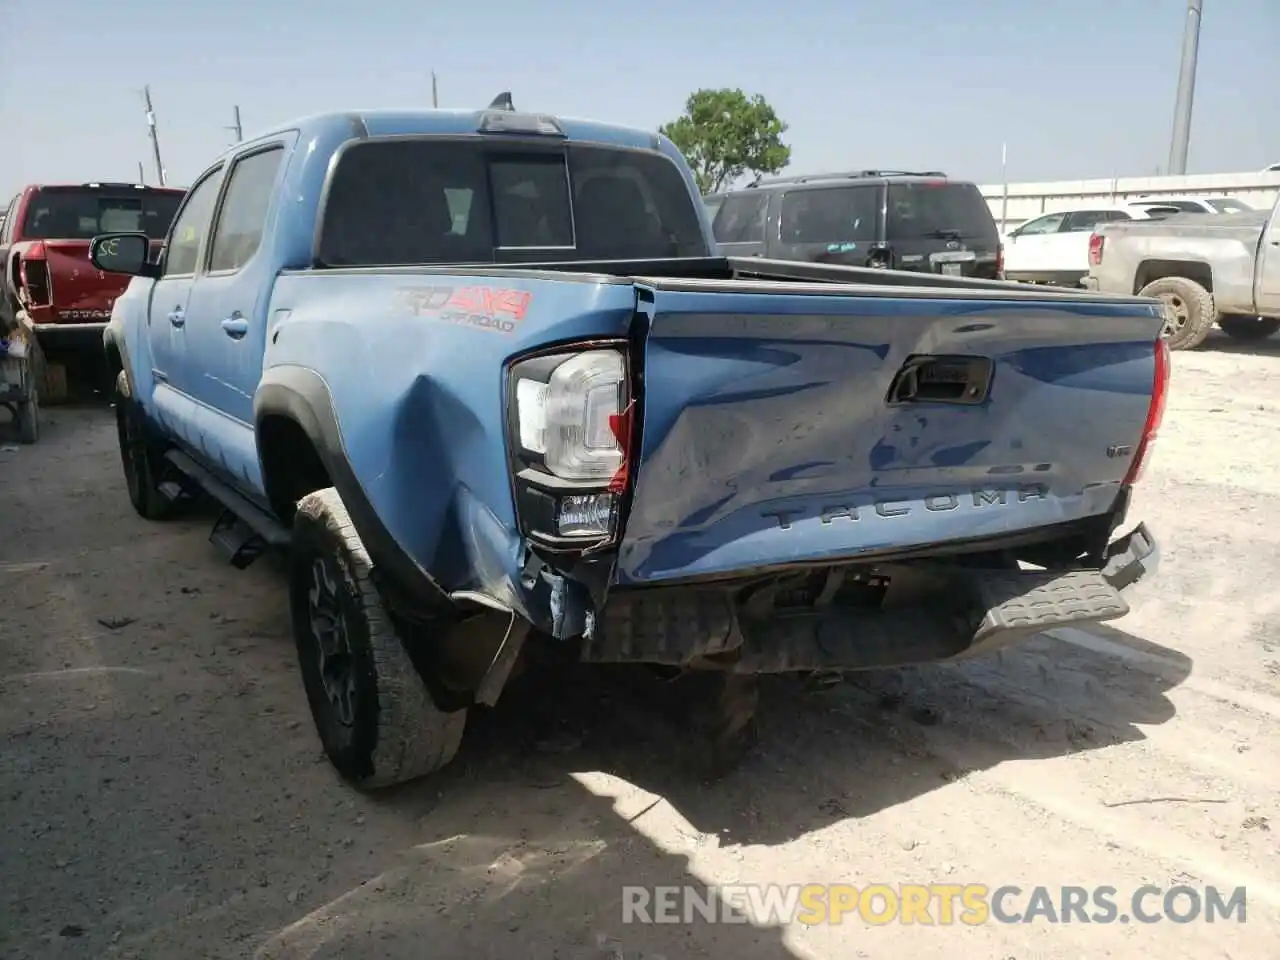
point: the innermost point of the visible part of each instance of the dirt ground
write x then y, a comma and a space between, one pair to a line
163, 794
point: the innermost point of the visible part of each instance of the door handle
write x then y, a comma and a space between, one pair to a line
177, 317
235, 326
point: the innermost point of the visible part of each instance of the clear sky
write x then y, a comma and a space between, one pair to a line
1078, 88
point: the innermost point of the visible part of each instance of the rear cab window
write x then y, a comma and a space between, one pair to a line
81, 213
741, 218
1081, 221
830, 215
433, 200
939, 210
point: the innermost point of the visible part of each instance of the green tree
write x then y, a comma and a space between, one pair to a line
725, 133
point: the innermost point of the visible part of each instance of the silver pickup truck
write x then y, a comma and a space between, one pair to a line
1221, 269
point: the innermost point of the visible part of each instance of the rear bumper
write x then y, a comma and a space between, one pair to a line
1058, 278
74, 336
942, 613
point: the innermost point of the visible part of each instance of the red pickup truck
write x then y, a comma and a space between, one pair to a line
44, 249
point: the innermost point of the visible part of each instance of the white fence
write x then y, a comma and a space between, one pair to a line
1027, 200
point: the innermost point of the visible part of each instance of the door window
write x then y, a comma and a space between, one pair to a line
243, 216
741, 218
1041, 225
192, 226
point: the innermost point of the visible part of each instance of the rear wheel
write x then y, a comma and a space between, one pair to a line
376, 718
723, 720
1190, 307
1239, 327
28, 415
142, 460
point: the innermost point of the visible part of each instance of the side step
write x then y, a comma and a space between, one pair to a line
988, 609
242, 531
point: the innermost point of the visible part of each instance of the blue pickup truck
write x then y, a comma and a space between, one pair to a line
483, 376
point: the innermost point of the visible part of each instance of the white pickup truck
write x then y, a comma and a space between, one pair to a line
1054, 248
1219, 269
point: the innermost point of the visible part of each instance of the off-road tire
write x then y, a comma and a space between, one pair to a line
140, 457
397, 732
27, 417
722, 721
1239, 327
1190, 299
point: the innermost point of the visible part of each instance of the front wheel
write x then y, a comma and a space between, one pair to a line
1190, 311
1239, 327
139, 456
376, 718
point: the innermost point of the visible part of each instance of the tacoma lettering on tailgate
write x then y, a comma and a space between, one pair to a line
976, 498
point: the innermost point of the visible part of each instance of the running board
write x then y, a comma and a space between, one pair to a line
242, 531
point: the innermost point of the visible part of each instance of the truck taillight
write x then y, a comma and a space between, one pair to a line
1096, 243
33, 276
570, 433
1155, 413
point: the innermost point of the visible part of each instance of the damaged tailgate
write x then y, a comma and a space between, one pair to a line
787, 424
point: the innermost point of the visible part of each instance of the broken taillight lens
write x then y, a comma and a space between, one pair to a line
1155, 413
33, 276
1096, 243
571, 437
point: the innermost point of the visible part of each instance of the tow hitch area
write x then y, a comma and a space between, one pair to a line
859, 619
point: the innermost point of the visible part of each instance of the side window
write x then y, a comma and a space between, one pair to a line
1049, 224
6, 230
192, 226
244, 210
741, 218
1083, 221
830, 215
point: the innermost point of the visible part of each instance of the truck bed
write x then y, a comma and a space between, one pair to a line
897, 283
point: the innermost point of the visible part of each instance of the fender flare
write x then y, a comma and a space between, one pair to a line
109, 340
302, 395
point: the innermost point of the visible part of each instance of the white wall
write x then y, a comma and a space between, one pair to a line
1027, 200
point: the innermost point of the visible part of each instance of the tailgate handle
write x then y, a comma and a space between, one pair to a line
943, 379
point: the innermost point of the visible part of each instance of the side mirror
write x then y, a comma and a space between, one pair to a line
123, 253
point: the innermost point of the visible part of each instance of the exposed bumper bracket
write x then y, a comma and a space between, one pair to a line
970, 612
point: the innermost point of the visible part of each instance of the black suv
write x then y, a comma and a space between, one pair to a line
891, 219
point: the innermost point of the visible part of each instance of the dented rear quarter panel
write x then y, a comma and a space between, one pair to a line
420, 397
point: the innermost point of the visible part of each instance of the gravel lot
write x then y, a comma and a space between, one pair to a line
163, 793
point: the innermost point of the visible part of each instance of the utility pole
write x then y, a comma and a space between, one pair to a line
1186, 90
435, 91
155, 141
142, 177
235, 127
